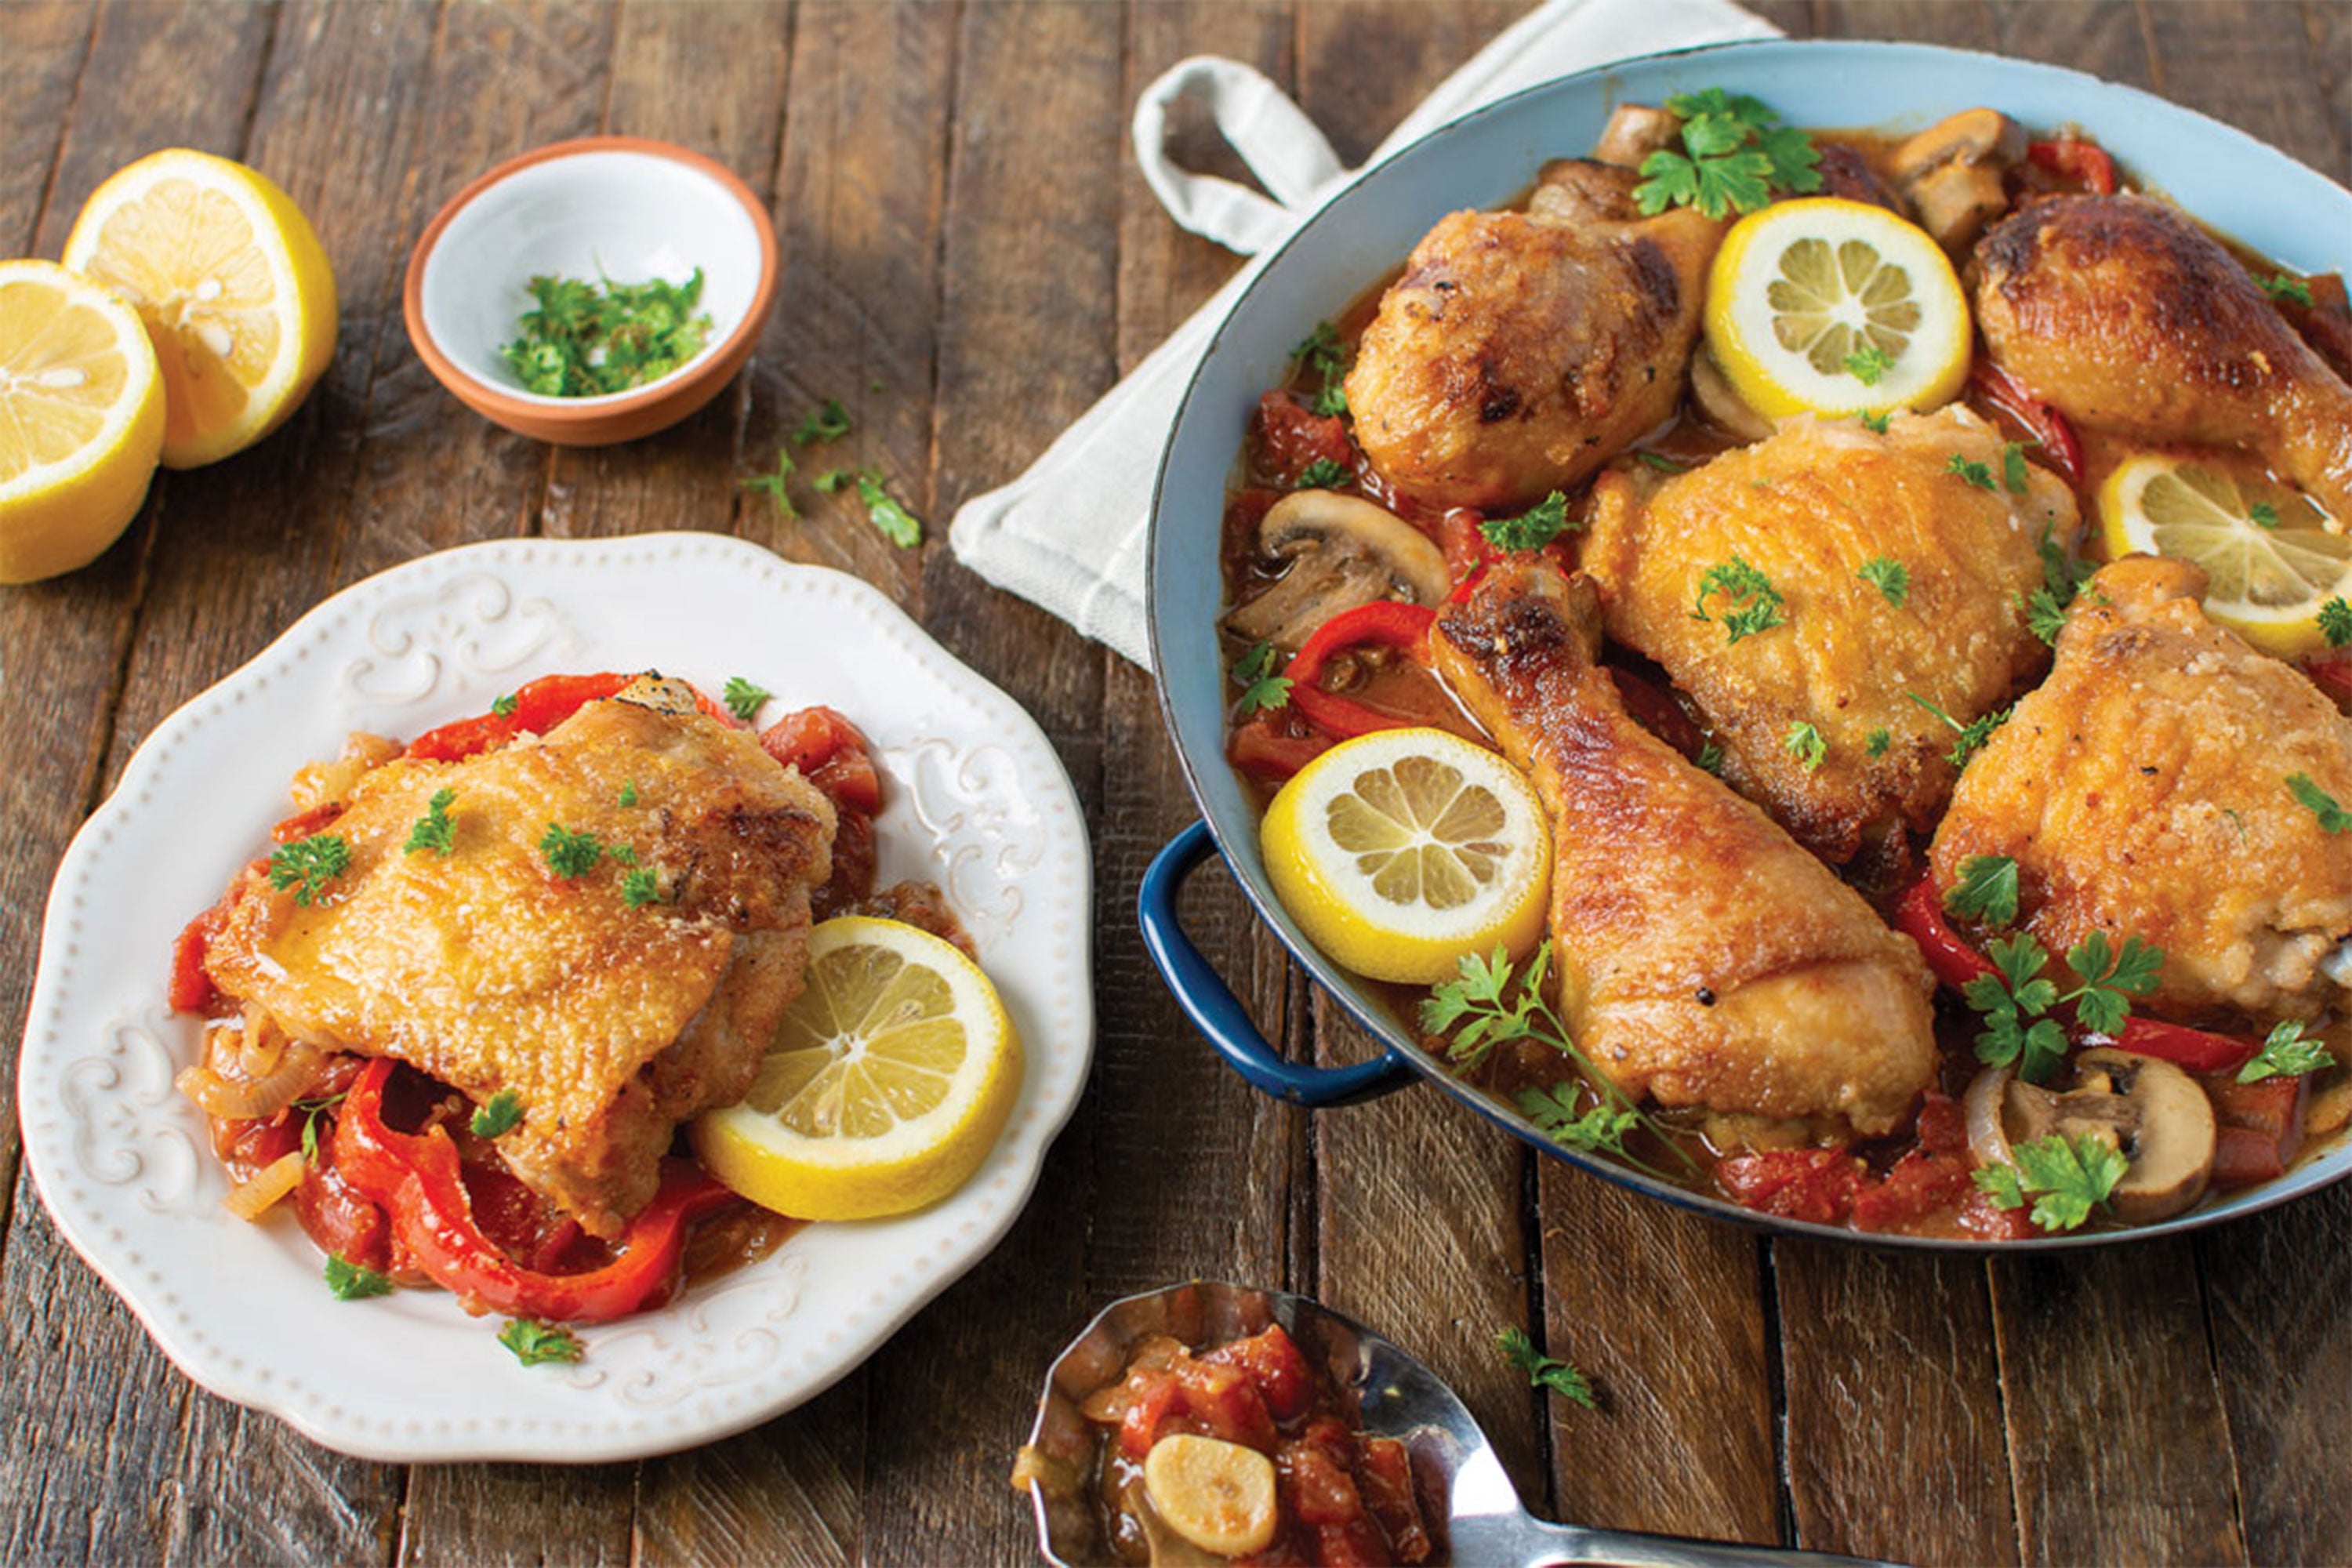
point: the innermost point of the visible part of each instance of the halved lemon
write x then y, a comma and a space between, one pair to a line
1402, 850
233, 285
81, 419
2270, 556
1828, 306
886, 1085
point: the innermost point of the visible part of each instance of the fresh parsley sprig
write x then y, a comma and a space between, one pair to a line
1532, 529
1889, 576
2335, 621
2333, 817
499, 1115
743, 698
535, 1343
1869, 363
1986, 891
311, 1111
827, 422
307, 865
1972, 735
1324, 474
1263, 690
1321, 355
1977, 474
1805, 743
1875, 744
777, 487
2281, 286
2065, 1178
2012, 467
1735, 154
641, 887
1543, 1371
2287, 1052
2015, 1001
1751, 605
434, 830
570, 855
352, 1281
883, 509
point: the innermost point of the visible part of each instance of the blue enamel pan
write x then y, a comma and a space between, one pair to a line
2235, 183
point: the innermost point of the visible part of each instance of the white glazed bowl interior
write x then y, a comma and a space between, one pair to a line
610, 213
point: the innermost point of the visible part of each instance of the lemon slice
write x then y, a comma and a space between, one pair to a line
231, 283
1828, 306
1400, 851
2270, 556
81, 419
884, 1086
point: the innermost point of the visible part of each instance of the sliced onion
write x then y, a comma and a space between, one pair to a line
249, 1200
250, 1099
1987, 1140
262, 1046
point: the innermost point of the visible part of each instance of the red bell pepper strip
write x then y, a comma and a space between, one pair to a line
417, 1179
1263, 749
2075, 160
1388, 622
2191, 1050
2048, 428
539, 706
2332, 673
1919, 915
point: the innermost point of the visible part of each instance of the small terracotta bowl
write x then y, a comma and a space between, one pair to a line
616, 206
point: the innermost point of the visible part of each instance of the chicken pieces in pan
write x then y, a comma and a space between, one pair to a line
1522, 350
1704, 959
1815, 594
508, 966
2144, 790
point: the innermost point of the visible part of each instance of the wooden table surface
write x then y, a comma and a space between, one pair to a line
970, 258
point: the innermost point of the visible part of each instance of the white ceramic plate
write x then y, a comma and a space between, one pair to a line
977, 802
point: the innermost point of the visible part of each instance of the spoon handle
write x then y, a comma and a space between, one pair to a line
1534, 1543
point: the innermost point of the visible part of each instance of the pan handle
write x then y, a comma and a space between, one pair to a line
1218, 1013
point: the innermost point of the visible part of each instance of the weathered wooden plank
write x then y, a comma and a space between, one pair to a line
2118, 1444
787, 1493
2251, 65
709, 76
517, 1516
1025, 305
1893, 1395
44, 46
2103, 36
1664, 1308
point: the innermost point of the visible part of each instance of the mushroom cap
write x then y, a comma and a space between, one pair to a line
2153, 1113
1305, 519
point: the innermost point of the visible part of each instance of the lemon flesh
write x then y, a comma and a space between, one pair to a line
1400, 852
2272, 558
1827, 306
81, 419
231, 283
884, 1086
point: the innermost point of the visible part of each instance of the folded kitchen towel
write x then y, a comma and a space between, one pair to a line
1069, 533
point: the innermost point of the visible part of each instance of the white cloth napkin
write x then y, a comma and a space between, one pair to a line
1069, 533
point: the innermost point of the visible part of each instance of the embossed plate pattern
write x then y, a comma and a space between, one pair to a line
977, 802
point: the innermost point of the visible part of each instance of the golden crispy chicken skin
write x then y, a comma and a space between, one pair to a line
1520, 350
2127, 317
1704, 957
1809, 508
2142, 792
490, 970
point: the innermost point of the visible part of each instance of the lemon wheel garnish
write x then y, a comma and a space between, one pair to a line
1828, 306
1400, 851
884, 1087
233, 285
2270, 556
81, 419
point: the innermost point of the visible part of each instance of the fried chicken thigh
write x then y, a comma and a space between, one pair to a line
1521, 350
1704, 957
1808, 509
2127, 317
491, 971
2142, 791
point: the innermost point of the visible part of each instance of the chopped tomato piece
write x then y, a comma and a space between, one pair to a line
1920, 1185
1320, 1489
1273, 1362
2082, 160
1943, 1125
2261, 1128
1154, 1401
1292, 438
2245, 1156
192, 987
1981, 1217
1261, 748
1815, 1184
831, 753
343, 1224
1227, 1404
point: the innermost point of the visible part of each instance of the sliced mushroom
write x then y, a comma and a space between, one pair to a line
2150, 1111
1724, 407
1952, 172
662, 694
1343, 552
1634, 132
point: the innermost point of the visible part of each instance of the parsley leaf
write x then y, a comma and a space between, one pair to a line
883, 509
311, 1111
629, 795
1532, 529
743, 698
1889, 576
354, 1282
1710, 757
2333, 817
1879, 740
307, 865
2287, 1053
829, 423
570, 855
497, 1115
1977, 474
587, 339
534, 1342
1262, 690
2045, 617
2067, 1178
1986, 891
1868, 364
1805, 743
2281, 286
1323, 474
503, 707
1660, 462
641, 887
2336, 622
1876, 422
1320, 355
1733, 154
1752, 604
1972, 736
1543, 1371
2012, 1001
1597, 1127
433, 830
2012, 467
776, 486
2262, 515
2062, 574
2109, 979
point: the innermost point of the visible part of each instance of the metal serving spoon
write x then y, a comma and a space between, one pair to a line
1455, 1470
